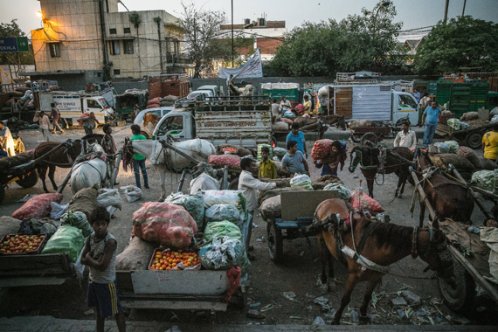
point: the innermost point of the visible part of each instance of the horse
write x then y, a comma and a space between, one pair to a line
87, 174
63, 157
165, 155
367, 248
375, 160
450, 199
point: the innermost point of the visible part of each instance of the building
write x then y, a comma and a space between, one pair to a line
91, 41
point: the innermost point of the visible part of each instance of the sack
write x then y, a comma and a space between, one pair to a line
79, 220
280, 126
230, 160
218, 229
85, 201
260, 146
198, 149
132, 193
469, 116
9, 225
440, 147
271, 208
57, 210
279, 152
301, 182
444, 159
289, 114
484, 179
67, 240
470, 155
340, 189
454, 124
452, 146
220, 212
365, 202
229, 197
135, 256
37, 206
203, 182
194, 204
168, 224
39, 226
109, 197
321, 149
222, 254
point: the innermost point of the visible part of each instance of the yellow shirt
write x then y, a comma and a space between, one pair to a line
267, 170
307, 107
490, 143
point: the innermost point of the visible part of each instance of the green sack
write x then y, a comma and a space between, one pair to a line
194, 204
67, 240
217, 229
77, 219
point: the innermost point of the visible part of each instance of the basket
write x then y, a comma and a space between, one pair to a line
35, 250
176, 266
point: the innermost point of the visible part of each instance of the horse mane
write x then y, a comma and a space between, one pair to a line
389, 234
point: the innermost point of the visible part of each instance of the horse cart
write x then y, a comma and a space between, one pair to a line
18, 169
471, 137
470, 256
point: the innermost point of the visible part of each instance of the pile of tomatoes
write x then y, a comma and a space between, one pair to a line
21, 244
174, 260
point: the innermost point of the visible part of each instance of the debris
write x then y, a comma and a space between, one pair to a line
461, 320
266, 307
323, 302
401, 313
89, 312
255, 305
422, 312
260, 239
318, 321
355, 316
398, 301
301, 253
411, 297
296, 317
329, 316
174, 328
291, 296
408, 312
375, 299
24, 199
256, 314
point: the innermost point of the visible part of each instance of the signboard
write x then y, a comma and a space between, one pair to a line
13, 44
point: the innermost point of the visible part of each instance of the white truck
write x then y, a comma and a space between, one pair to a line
368, 102
72, 105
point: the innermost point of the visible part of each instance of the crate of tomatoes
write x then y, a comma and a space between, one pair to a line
167, 259
18, 244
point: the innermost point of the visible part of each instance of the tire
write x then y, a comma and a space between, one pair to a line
369, 138
28, 180
460, 298
275, 243
474, 140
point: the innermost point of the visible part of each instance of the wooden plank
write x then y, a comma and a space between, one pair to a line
194, 282
31, 281
297, 204
174, 304
45, 264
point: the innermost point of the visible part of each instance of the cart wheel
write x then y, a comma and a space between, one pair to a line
461, 297
369, 139
474, 140
275, 245
2, 193
28, 180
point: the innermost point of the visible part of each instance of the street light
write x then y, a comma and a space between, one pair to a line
231, 2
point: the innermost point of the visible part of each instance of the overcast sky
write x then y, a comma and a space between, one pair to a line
413, 13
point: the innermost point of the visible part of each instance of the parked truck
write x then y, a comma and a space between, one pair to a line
244, 121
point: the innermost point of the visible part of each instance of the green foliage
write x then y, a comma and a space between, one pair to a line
461, 43
366, 41
12, 29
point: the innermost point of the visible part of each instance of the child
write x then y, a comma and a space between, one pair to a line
139, 159
267, 168
99, 255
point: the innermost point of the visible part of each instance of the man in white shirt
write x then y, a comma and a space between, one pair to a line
406, 137
250, 187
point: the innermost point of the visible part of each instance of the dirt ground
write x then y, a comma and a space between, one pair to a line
284, 293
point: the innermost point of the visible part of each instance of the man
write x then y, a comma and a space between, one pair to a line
267, 168
55, 114
490, 144
406, 137
293, 161
297, 136
422, 105
250, 187
416, 94
6, 140
139, 159
44, 123
90, 123
109, 147
430, 118
307, 106
337, 156
275, 111
285, 105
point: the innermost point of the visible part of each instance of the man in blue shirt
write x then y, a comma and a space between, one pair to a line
297, 136
430, 119
293, 161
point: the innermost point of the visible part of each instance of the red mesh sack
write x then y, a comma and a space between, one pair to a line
365, 202
321, 149
37, 206
230, 160
168, 224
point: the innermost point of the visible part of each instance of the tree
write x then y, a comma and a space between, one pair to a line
136, 20
201, 29
461, 43
12, 29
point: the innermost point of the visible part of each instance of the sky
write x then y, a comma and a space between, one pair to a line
413, 14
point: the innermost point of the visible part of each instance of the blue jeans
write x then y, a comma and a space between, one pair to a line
429, 131
137, 165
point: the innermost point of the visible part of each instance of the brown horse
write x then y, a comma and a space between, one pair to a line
63, 157
380, 243
375, 160
449, 198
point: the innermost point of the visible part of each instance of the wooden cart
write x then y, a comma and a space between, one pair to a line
24, 174
374, 133
471, 137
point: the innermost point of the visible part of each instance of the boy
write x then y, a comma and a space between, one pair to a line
267, 168
99, 255
293, 161
139, 159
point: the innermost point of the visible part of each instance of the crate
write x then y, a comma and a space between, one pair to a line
151, 261
31, 252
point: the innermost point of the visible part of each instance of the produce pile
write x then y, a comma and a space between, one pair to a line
321, 149
174, 260
21, 244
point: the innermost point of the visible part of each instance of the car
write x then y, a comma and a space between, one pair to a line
159, 111
199, 94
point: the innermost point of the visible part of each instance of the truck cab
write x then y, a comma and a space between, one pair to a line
178, 124
215, 90
404, 105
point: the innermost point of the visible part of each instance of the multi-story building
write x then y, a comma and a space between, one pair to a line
91, 41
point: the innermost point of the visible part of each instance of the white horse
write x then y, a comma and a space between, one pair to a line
88, 174
167, 159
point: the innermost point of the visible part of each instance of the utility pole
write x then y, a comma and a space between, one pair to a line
463, 9
231, 2
158, 22
446, 3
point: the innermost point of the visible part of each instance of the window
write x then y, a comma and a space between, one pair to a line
126, 30
55, 50
117, 71
90, 103
112, 31
128, 47
114, 47
172, 123
406, 101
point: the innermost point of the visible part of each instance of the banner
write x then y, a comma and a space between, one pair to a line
253, 68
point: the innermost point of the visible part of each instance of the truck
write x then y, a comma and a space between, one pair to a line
72, 105
461, 97
367, 102
278, 90
244, 121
